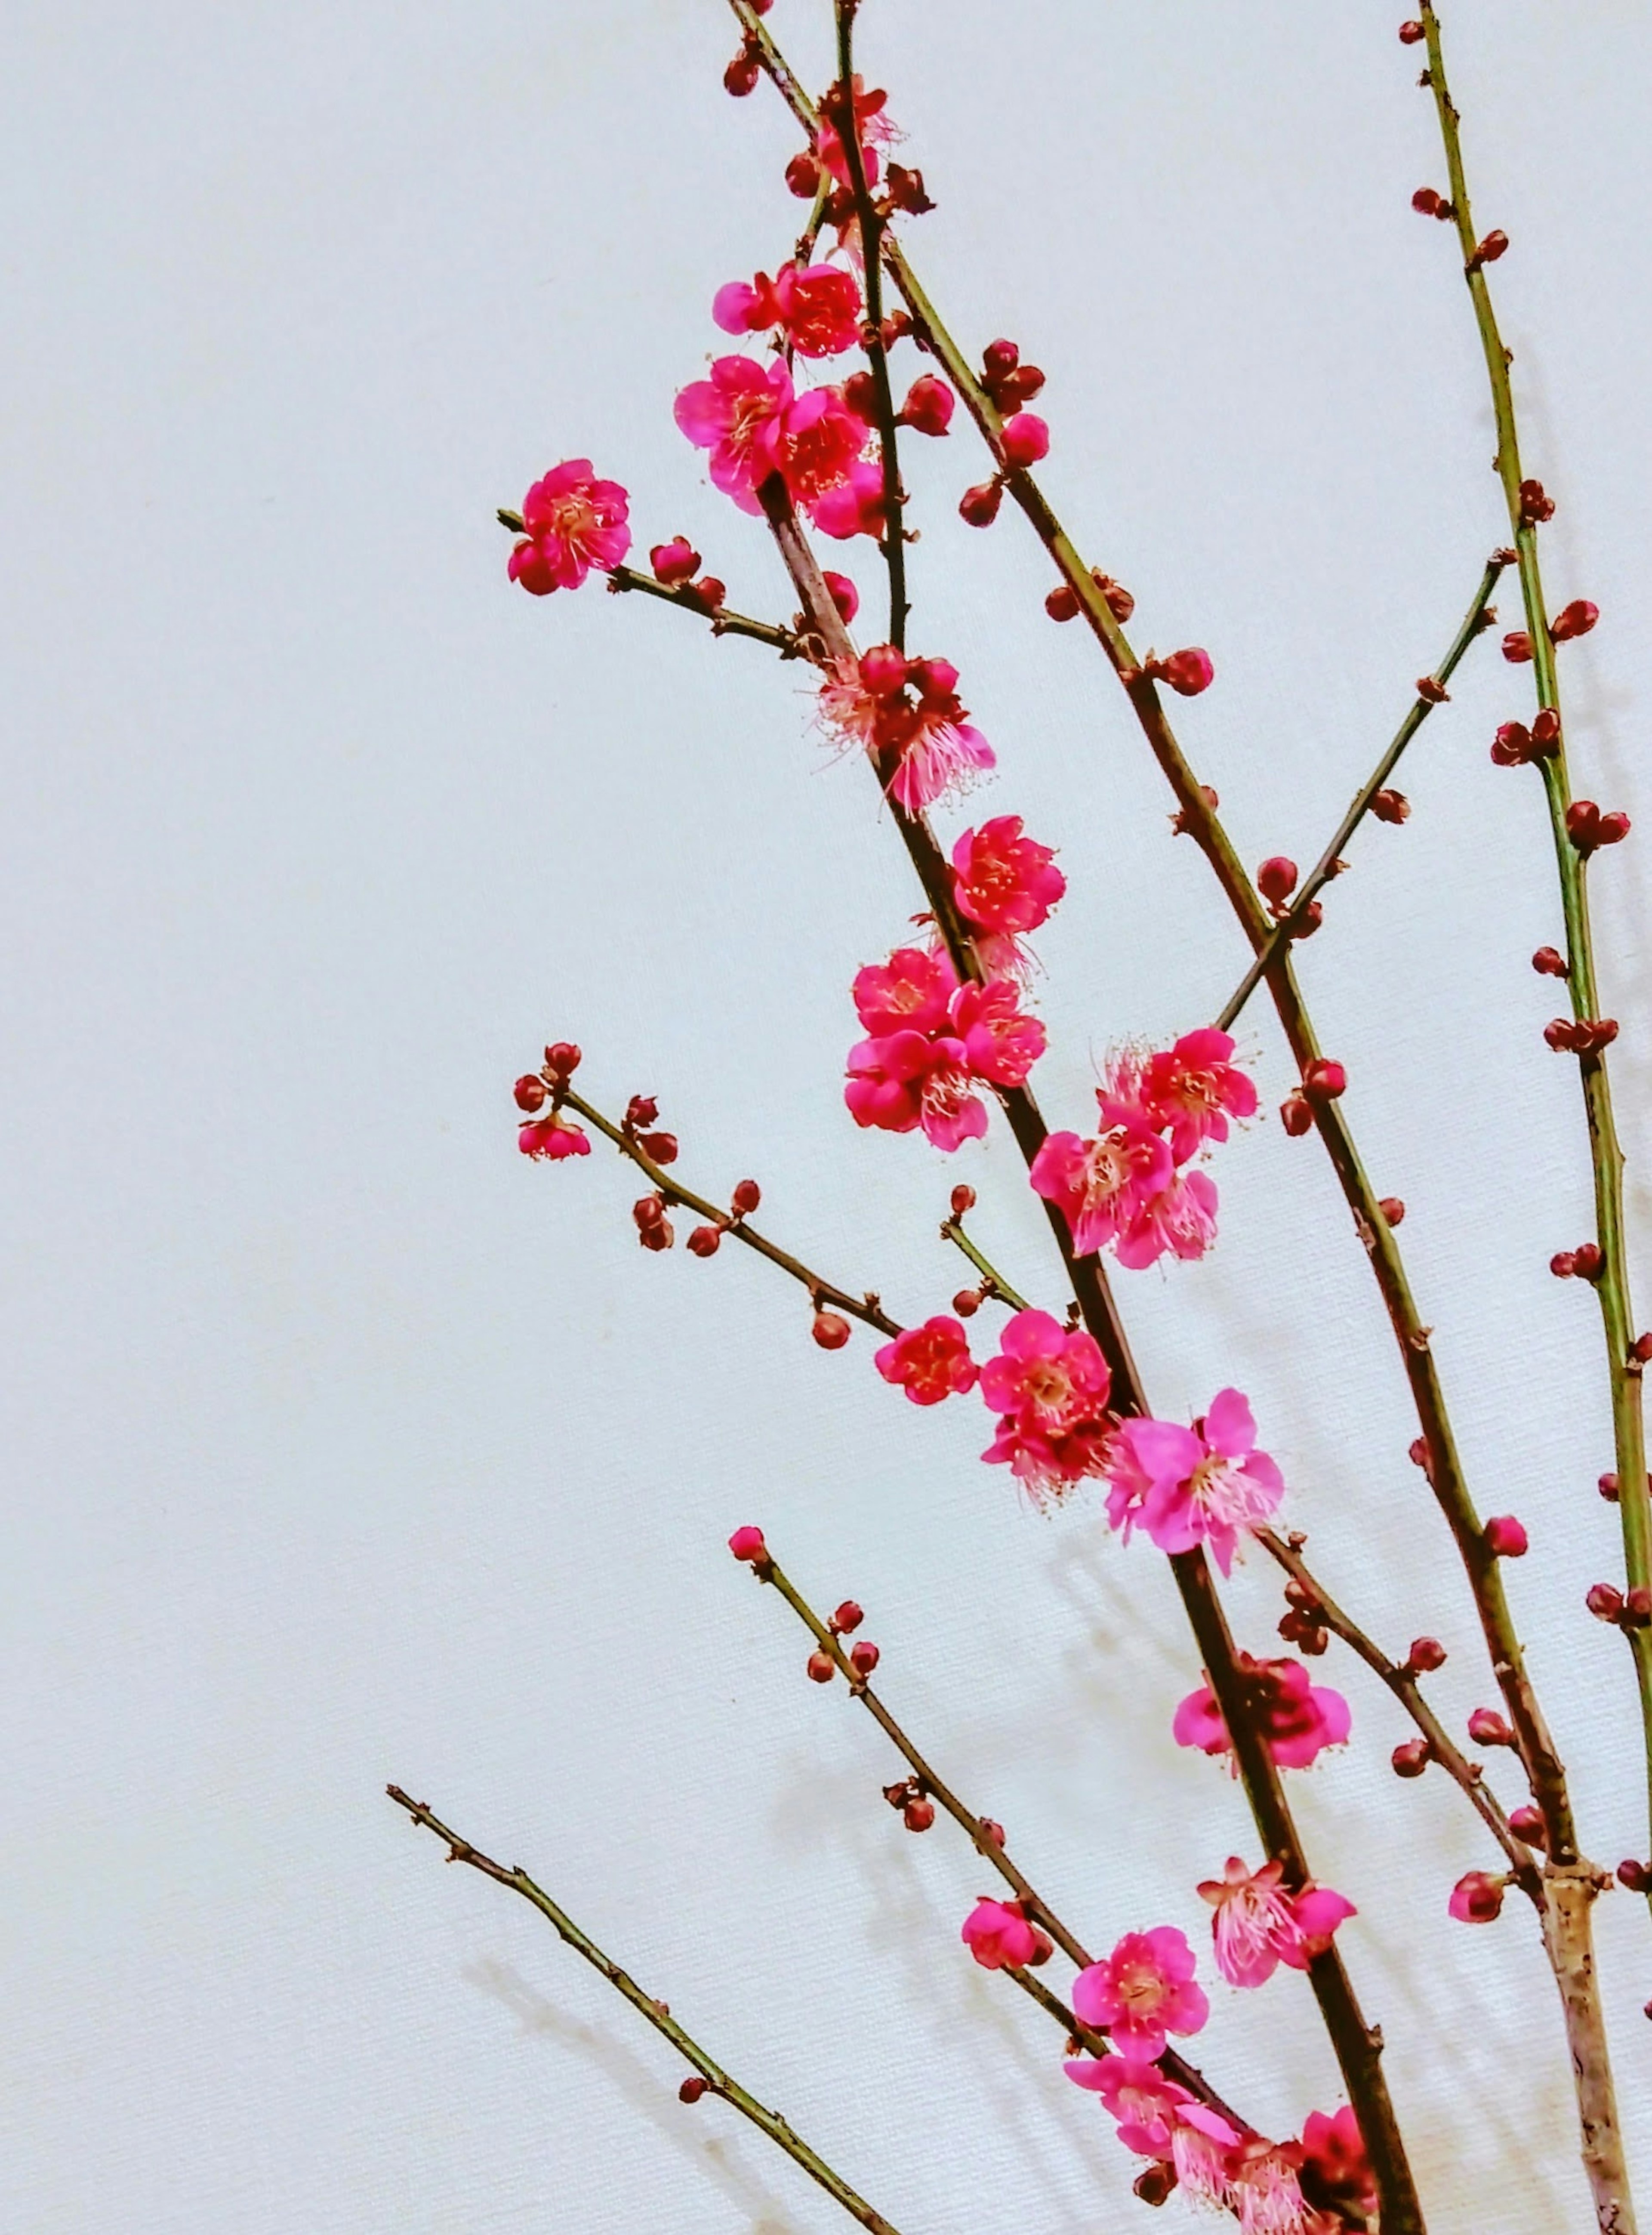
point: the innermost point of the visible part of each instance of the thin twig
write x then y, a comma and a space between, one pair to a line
1330, 862
994, 1284
718, 2082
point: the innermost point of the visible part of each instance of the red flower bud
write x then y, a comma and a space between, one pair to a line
1505, 1537
844, 595
821, 1667
883, 670
918, 1815
1120, 603
742, 73
1637, 1608
863, 1656
1392, 1209
1436, 694
849, 1616
747, 1544
658, 1237
1535, 503
1604, 1602
1516, 647
1640, 1350
928, 407
1608, 1488
1549, 962
1411, 33
967, 1303
1324, 1081
1490, 249
1477, 1897
1043, 1947
1488, 1727
1562, 1264
1309, 920
1546, 730
641, 1110
1637, 1877
830, 1331
1587, 1262
860, 393
1062, 604
1426, 202
1024, 440
648, 1209
963, 1199
907, 191
1410, 1758
1391, 807
1417, 1452
708, 593
704, 1240
979, 506
1188, 673
1526, 1823
803, 175
993, 1832
934, 680
1426, 1654
673, 562
998, 358
746, 1197
529, 1093
662, 1147
1295, 1117
562, 1058
691, 2089
1276, 879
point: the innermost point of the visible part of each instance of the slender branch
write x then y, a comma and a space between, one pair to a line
1635, 1500
867, 1308
1330, 862
1402, 1683
1358, 2047
785, 641
986, 1846
718, 2082
993, 1284
872, 228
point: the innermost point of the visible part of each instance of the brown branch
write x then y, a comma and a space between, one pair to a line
718, 2082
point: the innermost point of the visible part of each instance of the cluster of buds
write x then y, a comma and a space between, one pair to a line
1575, 619
741, 76
1586, 1262
1063, 602
706, 1240
1589, 829
1515, 746
550, 1136
1535, 504
864, 1656
1427, 203
1323, 1082
1010, 384
1302, 1624
917, 1809
1549, 962
1627, 1610
676, 565
1580, 1035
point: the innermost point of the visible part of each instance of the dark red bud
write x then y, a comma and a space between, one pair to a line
1637, 1877
1516, 647
641, 1110
1062, 604
848, 1617
821, 1667
932, 680
994, 1831
691, 2089
1488, 1727
830, 1330
1562, 1264
1549, 962
844, 595
1526, 1823
1505, 1537
1120, 602
999, 358
529, 1093
1434, 693
1426, 1654
1309, 921
1410, 1758
704, 1240
967, 1303
1295, 1117
979, 506
1392, 1209
746, 1197
562, 1058
658, 1237
1535, 503
1545, 729
1637, 1608
1411, 33
918, 1815
1426, 202
1640, 1350
803, 175
746, 1544
662, 1147
1417, 1452
1187, 673
1587, 1262
1391, 807
648, 1209
860, 393
1604, 1602
1608, 1488
1155, 2185
883, 670
1277, 878
1491, 248
708, 593
1324, 1081
863, 1656
742, 73
928, 407
1043, 1947
963, 1199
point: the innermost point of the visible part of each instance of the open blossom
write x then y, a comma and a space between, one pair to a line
1137, 2095
1007, 883
1265, 2193
1002, 1043
1192, 1089
906, 710
1049, 1387
873, 128
1298, 1719
929, 1362
820, 440
1145, 1991
1256, 1927
997, 1932
816, 307
929, 1039
908, 1079
1181, 1218
1196, 1485
736, 415
1103, 1187
552, 1138
914, 987
1335, 2175
575, 522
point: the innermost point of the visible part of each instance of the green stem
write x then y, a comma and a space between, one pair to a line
718, 2082
1330, 862
951, 1230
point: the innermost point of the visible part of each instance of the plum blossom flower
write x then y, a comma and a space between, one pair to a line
913, 988
908, 1080
1196, 1485
735, 416
1181, 1218
1049, 1387
1137, 2095
1190, 1090
853, 506
1103, 1187
1201, 2145
1336, 2175
819, 442
929, 1362
872, 127
907, 711
929, 1039
1298, 1719
552, 1138
1001, 1042
1007, 883
1263, 2189
1256, 1927
575, 522
997, 1932
1144, 1991
816, 307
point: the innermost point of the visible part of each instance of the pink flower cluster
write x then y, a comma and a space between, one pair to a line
815, 307
1006, 883
1048, 1385
1130, 1186
1256, 1927
575, 522
754, 424
1197, 1485
929, 1040
906, 712
1298, 1719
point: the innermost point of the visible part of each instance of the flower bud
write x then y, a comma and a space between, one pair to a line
1417, 1452
1587, 1260
1188, 673
1526, 1823
1488, 1727
1121, 604
1562, 1264
1155, 2185
860, 393
1410, 1758
821, 1667
562, 1058
918, 1815
994, 1831
742, 74
1411, 33
747, 1544
658, 1237
746, 1197
1505, 1537
648, 1209
673, 562
691, 2089
1637, 1608
963, 1199
1025, 439
999, 358
883, 671
967, 1303
1636, 1877
1043, 1947
1488, 251
863, 1656
932, 680
830, 1330
529, 1091
1549, 962
662, 1147
1640, 1350
1476, 1899
1392, 1209
1389, 806
844, 595
708, 593
803, 175
1575, 619
1295, 1117
1276, 879
1516, 647
898, 1795
979, 506
1434, 694
928, 407
1604, 1602
1535, 504
1324, 1081
1062, 604
1426, 1654
641, 1110
704, 1240
1608, 1488
848, 1617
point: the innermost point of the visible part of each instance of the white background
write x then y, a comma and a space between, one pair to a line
343, 1445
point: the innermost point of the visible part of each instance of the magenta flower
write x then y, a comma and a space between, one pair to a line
1181, 1218
1256, 1927
1196, 1485
1008, 884
1001, 1042
735, 416
1477, 1897
817, 308
1103, 1187
1145, 1991
929, 1038
1265, 2193
1300, 1719
552, 1138
1049, 1387
853, 506
912, 989
929, 1362
1192, 1089
996, 1933
821, 438
1139, 2097
1335, 2175
575, 522
907, 712
908, 1080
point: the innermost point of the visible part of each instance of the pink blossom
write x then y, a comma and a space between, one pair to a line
929, 1362
908, 1079
1049, 1387
1008, 884
552, 1138
817, 308
872, 127
997, 1932
1477, 1897
575, 522
1300, 1719
1143, 1991
1256, 1927
1102, 1187
1335, 2175
906, 711
1139, 2095
736, 415
1264, 2190
913, 988
1201, 2141
1192, 1089
820, 439
1180, 1218
1002, 1043
1195, 1485
854, 506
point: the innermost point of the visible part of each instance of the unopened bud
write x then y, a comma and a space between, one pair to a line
963, 1199
1494, 244
648, 1209
704, 1242
821, 1667
803, 175
849, 1616
1392, 1209
1636, 1877
747, 1544
1188, 673
1488, 1727
658, 1237
1608, 1488
1043, 1947
1640, 1350
1549, 962
918, 1815
1324, 1081
928, 407
1410, 1758
993, 1830
1411, 33
1516, 647
830, 1330
979, 506
1277, 878
967, 1303
1587, 1262
863, 1656
1505, 1537
1155, 2185
674, 562
1024, 439
1526, 1823
1390, 806
641, 1110
1427, 202
1477, 1897
1535, 503
1604, 1602
662, 1147
999, 358
742, 74
1295, 1117
1426, 1654
746, 1197
1637, 1608
844, 595
529, 1091
562, 1058
691, 2089
1433, 693
1417, 1452
1062, 604
1562, 1264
